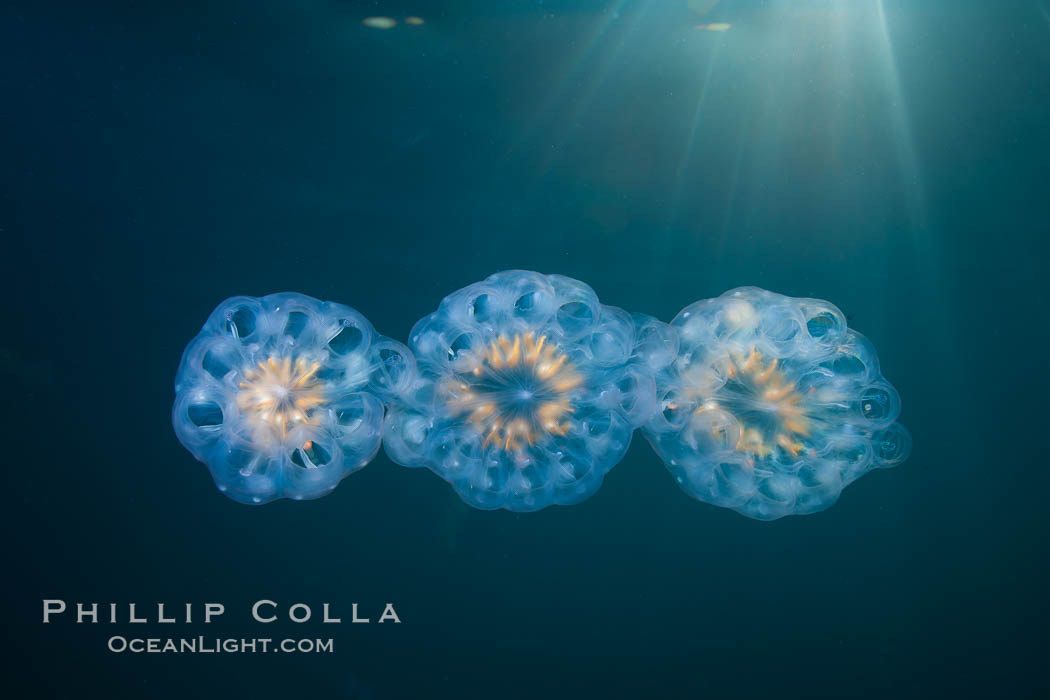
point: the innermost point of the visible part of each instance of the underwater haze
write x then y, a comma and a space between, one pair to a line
890, 156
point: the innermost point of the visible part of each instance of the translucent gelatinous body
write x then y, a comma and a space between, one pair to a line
282, 396
773, 405
528, 390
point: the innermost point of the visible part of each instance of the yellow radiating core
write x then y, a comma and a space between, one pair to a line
277, 395
780, 396
495, 405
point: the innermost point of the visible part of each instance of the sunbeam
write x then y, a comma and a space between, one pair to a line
574, 75
582, 102
908, 161
687, 149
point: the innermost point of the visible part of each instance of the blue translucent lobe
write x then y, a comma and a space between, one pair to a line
281, 396
772, 405
527, 392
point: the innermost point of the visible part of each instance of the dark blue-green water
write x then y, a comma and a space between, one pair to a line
891, 157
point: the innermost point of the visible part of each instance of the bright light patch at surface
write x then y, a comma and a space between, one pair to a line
379, 22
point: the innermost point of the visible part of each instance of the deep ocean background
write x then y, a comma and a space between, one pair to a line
892, 157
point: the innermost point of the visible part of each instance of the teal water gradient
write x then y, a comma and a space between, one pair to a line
887, 156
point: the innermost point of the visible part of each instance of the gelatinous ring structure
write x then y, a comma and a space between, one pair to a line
772, 405
283, 396
528, 391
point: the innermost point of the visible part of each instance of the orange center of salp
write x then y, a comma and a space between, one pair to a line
516, 391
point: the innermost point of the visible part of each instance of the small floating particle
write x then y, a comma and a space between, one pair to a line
379, 22
416, 21
715, 27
